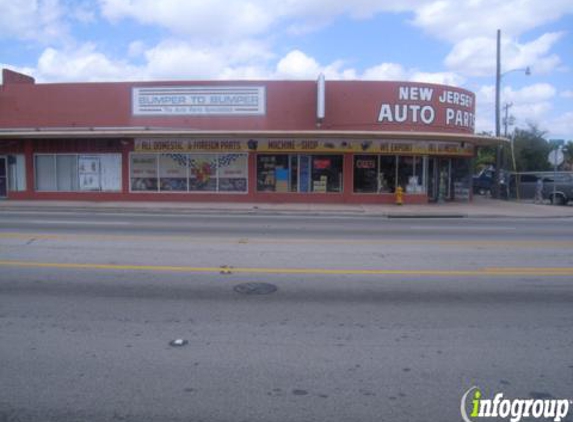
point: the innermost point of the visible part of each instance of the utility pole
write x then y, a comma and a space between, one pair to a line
499, 150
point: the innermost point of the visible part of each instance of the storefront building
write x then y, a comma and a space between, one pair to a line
248, 141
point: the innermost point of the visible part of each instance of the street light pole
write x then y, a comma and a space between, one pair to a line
498, 157
499, 149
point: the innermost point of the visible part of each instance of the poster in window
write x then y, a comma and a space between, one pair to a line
143, 172
110, 165
203, 173
233, 172
89, 173
304, 173
173, 172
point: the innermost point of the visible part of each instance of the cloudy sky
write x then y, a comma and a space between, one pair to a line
441, 41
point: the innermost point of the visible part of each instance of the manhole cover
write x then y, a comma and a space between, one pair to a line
255, 288
178, 342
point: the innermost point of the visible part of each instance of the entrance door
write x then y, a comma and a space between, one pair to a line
439, 179
3, 178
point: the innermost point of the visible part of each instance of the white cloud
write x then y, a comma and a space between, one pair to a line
455, 20
297, 65
83, 13
136, 49
562, 126
567, 94
444, 78
530, 104
396, 72
37, 20
82, 64
215, 19
476, 56
385, 71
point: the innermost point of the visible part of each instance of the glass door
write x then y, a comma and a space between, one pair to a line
439, 179
3, 178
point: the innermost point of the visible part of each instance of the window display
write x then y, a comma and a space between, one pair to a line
143, 172
387, 174
233, 172
203, 173
89, 173
173, 172
365, 174
299, 173
461, 176
189, 172
326, 173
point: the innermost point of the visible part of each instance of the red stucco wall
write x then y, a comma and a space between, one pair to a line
290, 105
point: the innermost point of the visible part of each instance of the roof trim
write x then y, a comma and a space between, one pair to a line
143, 132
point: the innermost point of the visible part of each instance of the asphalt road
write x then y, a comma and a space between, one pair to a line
372, 320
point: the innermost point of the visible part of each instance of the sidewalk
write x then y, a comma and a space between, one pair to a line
479, 208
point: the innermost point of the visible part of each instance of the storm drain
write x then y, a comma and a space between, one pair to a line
255, 288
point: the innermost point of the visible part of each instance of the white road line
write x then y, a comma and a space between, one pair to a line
82, 223
461, 228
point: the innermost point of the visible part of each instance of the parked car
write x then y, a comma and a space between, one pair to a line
558, 188
483, 183
527, 185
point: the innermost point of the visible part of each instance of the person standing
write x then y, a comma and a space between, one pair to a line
539, 191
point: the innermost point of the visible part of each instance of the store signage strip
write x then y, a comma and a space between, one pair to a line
305, 146
199, 101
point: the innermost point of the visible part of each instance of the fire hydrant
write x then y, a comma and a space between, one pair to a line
399, 195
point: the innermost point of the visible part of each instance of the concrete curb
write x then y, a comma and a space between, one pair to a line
480, 212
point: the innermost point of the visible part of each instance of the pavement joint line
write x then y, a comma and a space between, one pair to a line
498, 271
194, 239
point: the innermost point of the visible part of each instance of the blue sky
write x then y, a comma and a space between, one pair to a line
441, 41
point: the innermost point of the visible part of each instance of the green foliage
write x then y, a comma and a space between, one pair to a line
531, 149
568, 152
485, 157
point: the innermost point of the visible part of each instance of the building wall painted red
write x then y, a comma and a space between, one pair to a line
371, 106
290, 105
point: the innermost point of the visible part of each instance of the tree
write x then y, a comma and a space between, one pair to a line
568, 152
531, 150
485, 155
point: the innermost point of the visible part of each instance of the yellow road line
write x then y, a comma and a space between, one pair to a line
526, 271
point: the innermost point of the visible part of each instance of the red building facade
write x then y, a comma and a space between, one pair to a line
270, 141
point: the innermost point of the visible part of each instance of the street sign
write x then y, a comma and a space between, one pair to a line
556, 157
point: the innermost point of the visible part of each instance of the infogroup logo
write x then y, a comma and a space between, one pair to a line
514, 409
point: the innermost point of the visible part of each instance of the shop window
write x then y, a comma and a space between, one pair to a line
232, 174
203, 173
387, 173
78, 173
299, 173
411, 175
143, 171
17, 173
461, 179
67, 173
110, 172
365, 173
46, 173
327, 173
189, 172
173, 172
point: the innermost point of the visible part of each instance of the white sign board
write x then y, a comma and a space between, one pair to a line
199, 101
89, 172
556, 157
